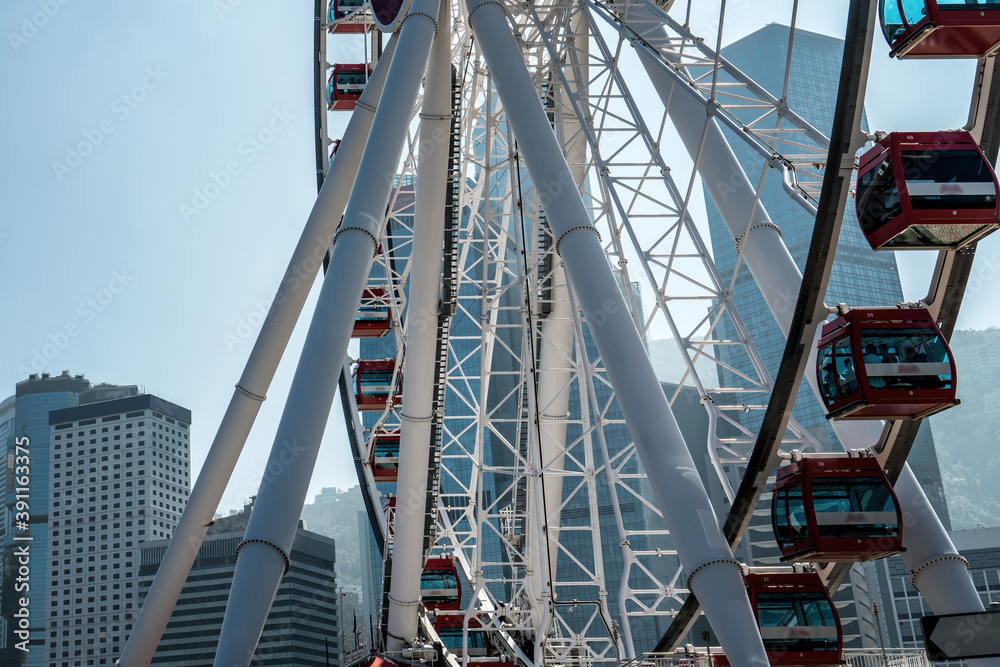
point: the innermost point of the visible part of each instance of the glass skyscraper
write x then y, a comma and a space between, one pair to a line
34, 398
860, 277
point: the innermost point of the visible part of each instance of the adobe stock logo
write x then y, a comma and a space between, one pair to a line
122, 108
86, 311
31, 25
248, 149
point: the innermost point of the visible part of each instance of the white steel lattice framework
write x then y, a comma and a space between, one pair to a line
510, 298
535, 487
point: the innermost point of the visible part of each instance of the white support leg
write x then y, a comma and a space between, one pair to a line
421, 341
937, 570
263, 554
555, 355
256, 378
555, 359
714, 574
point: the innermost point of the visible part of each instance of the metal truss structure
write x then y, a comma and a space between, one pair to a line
507, 289
535, 488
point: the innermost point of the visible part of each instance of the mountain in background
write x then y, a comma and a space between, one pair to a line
967, 435
334, 513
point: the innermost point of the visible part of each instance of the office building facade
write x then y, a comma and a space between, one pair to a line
303, 627
119, 475
34, 398
25, 486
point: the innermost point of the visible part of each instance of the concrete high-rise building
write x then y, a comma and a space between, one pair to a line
119, 475
26, 478
303, 627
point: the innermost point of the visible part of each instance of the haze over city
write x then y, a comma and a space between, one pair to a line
160, 166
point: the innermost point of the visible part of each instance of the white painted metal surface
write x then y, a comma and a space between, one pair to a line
421, 339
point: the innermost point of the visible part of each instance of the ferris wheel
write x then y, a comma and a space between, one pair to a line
501, 239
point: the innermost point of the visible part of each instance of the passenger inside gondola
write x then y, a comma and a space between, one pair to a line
847, 377
375, 383
910, 359
872, 356
350, 83
839, 380
341, 8
778, 613
386, 455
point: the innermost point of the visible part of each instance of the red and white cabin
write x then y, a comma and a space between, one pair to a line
885, 363
919, 190
835, 510
940, 28
345, 86
373, 385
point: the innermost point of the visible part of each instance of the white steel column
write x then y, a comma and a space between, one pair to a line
264, 552
257, 375
555, 356
939, 572
421, 340
714, 574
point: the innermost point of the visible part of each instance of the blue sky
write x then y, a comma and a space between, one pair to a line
123, 119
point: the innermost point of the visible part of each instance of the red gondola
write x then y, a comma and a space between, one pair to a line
885, 363
439, 585
450, 630
797, 620
373, 319
835, 509
373, 385
923, 190
345, 86
346, 16
385, 455
940, 28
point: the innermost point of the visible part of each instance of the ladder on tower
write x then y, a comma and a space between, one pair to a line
449, 299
